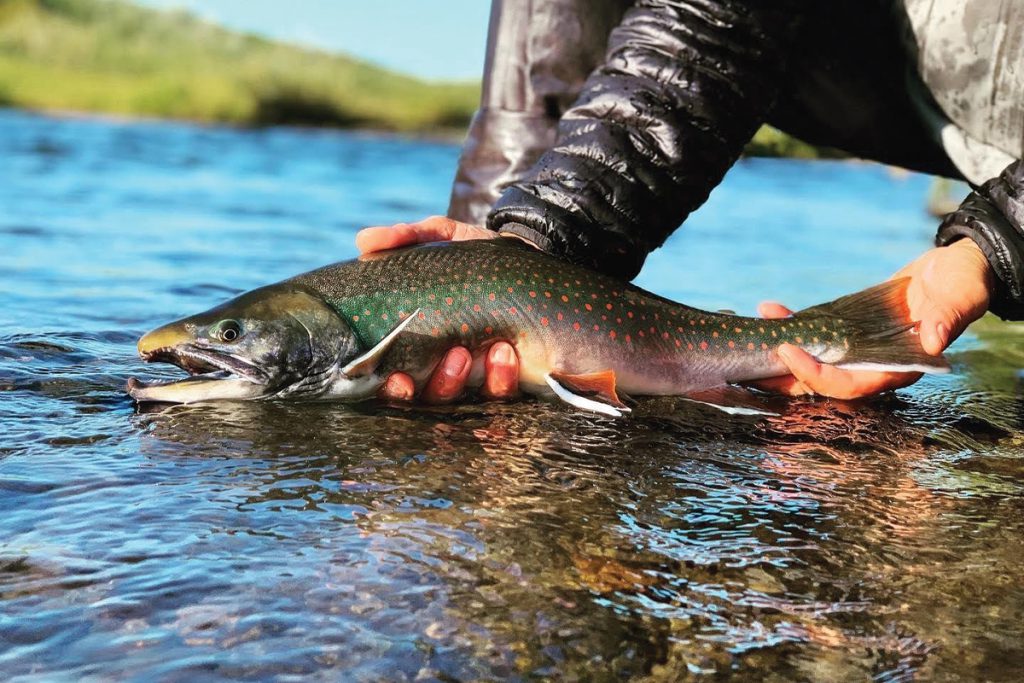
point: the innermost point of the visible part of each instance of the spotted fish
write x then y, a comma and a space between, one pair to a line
339, 331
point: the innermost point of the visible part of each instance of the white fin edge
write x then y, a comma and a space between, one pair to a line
733, 410
894, 367
581, 401
371, 358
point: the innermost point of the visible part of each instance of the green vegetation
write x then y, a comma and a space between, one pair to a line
110, 56
113, 57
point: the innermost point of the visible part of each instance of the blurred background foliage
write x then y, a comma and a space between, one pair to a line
113, 57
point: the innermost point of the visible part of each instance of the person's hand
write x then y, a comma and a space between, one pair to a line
433, 229
448, 381
949, 289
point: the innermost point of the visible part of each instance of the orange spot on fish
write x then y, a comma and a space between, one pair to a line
476, 307
448, 300
703, 346
464, 328
488, 329
423, 316
689, 346
510, 290
533, 295
565, 298
678, 343
612, 334
576, 326
596, 328
529, 307
512, 310
383, 316
628, 339
431, 297
559, 316
629, 314
715, 334
588, 307
799, 340
750, 346
544, 321
664, 335
491, 296
732, 345
593, 296
355, 318
764, 347
737, 329
435, 332
547, 294
608, 306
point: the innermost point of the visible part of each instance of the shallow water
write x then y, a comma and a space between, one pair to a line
252, 541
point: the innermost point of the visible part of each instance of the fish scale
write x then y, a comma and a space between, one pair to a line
557, 314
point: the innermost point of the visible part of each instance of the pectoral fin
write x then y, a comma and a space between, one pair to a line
594, 391
731, 400
366, 363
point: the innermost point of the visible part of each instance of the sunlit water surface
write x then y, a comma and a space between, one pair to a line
251, 541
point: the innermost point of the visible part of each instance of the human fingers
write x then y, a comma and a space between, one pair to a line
433, 229
501, 371
828, 380
773, 309
449, 378
397, 387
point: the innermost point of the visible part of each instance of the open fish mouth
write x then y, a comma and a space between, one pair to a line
213, 376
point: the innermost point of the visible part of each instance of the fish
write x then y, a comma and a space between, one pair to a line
337, 332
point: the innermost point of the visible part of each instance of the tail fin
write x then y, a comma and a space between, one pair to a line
881, 334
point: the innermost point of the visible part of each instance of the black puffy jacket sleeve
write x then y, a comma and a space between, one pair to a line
684, 85
993, 216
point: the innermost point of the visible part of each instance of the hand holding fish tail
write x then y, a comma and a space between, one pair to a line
949, 289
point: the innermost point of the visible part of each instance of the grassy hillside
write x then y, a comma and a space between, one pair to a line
110, 56
114, 57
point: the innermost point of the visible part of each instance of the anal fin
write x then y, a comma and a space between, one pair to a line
593, 391
731, 400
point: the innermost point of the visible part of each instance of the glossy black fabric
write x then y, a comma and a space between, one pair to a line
668, 108
683, 87
993, 216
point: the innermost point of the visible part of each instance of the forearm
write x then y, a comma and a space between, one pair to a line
682, 89
993, 217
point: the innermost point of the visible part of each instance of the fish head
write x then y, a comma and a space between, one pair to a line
274, 341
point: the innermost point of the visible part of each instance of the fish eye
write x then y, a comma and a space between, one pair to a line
228, 330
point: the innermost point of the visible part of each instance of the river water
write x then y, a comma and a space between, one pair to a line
839, 541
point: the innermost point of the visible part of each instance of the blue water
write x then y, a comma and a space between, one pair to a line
839, 541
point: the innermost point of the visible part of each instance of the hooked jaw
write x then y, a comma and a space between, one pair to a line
214, 374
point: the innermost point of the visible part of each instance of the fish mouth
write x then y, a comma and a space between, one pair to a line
212, 376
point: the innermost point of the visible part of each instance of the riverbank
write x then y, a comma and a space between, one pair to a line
110, 57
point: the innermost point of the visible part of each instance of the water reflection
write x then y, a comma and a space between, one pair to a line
836, 541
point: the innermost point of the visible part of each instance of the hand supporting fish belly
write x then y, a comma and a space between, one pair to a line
336, 333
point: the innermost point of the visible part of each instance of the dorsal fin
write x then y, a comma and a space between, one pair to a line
366, 363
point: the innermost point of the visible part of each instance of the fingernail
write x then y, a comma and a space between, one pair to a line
784, 351
504, 355
454, 364
942, 334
